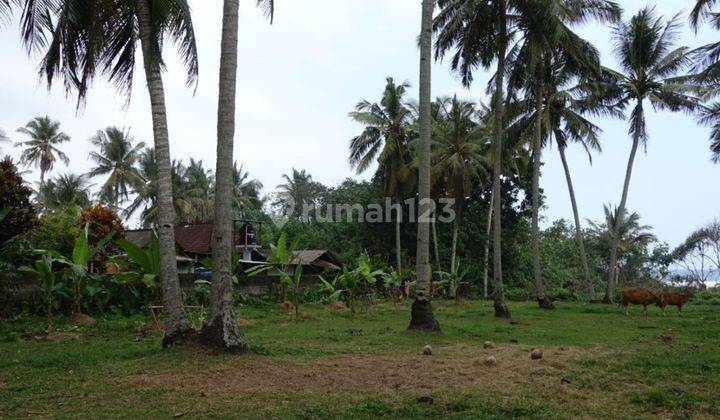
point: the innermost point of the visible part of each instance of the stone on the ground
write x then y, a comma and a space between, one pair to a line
490, 361
536, 354
488, 345
427, 350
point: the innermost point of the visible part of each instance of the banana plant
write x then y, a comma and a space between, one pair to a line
393, 283
43, 271
453, 281
144, 265
282, 258
77, 265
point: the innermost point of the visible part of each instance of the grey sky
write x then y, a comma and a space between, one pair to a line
299, 78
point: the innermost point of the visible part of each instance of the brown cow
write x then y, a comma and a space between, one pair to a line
642, 297
674, 299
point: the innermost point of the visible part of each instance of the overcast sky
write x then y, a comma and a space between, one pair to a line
300, 77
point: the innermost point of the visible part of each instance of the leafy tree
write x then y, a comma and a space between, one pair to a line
41, 150
385, 139
699, 254
102, 221
197, 191
116, 157
15, 199
645, 48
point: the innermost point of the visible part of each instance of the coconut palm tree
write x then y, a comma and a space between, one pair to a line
459, 156
645, 47
221, 329
84, 39
115, 158
298, 191
624, 230
708, 63
385, 140
68, 190
41, 150
246, 189
422, 315
545, 34
197, 189
480, 32
145, 192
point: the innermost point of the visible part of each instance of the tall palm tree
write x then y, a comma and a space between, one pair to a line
708, 63
41, 150
83, 39
480, 33
645, 48
221, 329
385, 140
295, 193
459, 156
422, 315
545, 34
116, 157
68, 190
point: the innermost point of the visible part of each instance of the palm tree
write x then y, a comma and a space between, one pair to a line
41, 150
422, 315
83, 41
297, 192
68, 190
246, 190
645, 49
197, 189
708, 62
145, 192
385, 139
478, 31
459, 156
221, 329
624, 230
116, 157
545, 34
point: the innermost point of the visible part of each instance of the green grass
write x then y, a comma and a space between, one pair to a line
629, 366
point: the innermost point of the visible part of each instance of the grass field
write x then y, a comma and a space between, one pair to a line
597, 363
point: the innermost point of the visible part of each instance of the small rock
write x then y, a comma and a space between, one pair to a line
426, 400
536, 354
427, 350
488, 345
490, 361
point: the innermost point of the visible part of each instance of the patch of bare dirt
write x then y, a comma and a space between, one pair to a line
53, 336
458, 367
81, 320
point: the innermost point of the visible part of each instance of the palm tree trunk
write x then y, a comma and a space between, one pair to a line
543, 301
501, 309
453, 249
435, 240
612, 269
177, 327
221, 330
422, 317
398, 244
486, 257
578, 228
